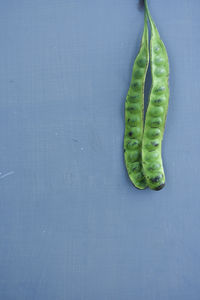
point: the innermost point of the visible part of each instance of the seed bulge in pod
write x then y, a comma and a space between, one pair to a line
133, 107
142, 61
150, 156
152, 145
161, 100
134, 167
156, 111
136, 85
153, 133
134, 132
133, 98
159, 60
133, 121
159, 89
153, 166
155, 122
133, 156
160, 72
133, 144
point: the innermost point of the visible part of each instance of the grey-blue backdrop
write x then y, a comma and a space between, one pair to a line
72, 227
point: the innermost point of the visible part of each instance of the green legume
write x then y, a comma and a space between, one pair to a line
156, 111
134, 107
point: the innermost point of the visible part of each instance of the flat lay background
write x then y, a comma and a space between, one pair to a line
72, 226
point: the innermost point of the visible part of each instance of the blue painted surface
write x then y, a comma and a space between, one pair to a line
72, 227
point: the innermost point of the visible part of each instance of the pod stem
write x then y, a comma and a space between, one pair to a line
145, 33
147, 12
145, 16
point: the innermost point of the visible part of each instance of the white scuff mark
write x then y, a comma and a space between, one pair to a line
82, 148
6, 174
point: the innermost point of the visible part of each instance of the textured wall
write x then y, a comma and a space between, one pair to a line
72, 227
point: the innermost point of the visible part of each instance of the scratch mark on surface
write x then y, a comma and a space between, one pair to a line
6, 174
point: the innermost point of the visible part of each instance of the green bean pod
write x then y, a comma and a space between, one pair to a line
134, 110
156, 111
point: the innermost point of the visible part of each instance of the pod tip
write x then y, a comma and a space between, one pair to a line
160, 187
